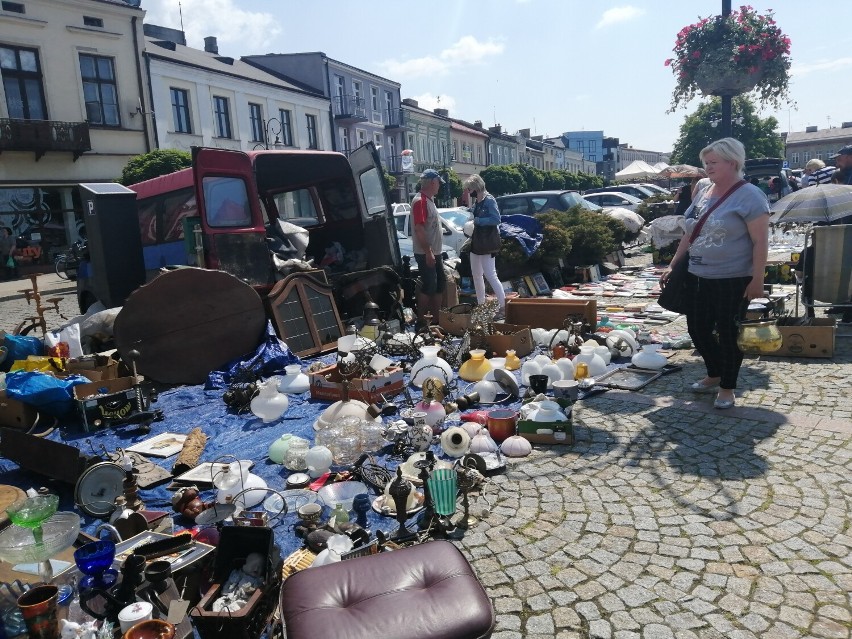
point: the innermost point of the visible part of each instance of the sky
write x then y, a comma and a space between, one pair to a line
547, 65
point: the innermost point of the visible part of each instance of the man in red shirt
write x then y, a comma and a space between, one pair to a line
428, 243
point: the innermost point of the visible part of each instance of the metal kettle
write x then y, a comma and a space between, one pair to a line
759, 337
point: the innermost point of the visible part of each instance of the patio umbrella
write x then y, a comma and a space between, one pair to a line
683, 171
819, 203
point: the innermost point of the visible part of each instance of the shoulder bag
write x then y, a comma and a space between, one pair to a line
674, 295
486, 239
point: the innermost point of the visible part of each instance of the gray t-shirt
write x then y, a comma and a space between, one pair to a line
724, 248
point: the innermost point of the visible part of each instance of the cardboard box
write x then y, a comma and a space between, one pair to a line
563, 432
326, 384
550, 313
16, 414
814, 340
509, 337
455, 319
107, 399
89, 368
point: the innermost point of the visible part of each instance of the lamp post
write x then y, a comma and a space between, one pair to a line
726, 99
271, 127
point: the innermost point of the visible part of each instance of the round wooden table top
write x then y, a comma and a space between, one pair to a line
8, 496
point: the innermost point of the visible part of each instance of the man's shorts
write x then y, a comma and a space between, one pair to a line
432, 279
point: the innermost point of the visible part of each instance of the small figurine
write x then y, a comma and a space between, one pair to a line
71, 630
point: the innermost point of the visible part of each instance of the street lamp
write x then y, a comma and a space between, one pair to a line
271, 127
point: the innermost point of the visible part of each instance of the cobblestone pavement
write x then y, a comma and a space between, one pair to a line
669, 519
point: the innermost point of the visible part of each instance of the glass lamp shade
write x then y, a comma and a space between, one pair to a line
372, 436
483, 443
487, 391
566, 366
588, 356
234, 474
530, 367
294, 381
649, 358
455, 441
430, 365
319, 460
553, 372
516, 446
513, 363
294, 458
443, 486
346, 449
435, 411
476, 367
245, 495
269, 405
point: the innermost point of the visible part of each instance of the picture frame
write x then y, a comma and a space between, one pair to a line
540, 283
521, 287
528, 280
507, 286
162, 445
203, 473
305, 314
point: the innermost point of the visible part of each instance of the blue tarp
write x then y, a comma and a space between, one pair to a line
523, 228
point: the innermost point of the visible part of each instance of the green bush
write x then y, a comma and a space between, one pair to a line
154, 164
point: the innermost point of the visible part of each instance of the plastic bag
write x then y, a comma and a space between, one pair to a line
269, 359
49, 394
70, 335
20, 347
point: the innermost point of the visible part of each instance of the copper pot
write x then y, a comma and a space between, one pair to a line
502, 423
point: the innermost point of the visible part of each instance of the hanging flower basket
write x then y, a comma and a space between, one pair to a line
729, 55
716, 79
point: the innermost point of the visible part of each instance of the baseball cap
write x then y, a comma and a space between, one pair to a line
431, 174
846, 150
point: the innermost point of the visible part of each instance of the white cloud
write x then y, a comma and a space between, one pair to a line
821, 65
467, 51
618, 14
221, 18
428, 101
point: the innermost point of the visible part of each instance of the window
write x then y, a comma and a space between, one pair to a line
389, 106
374, 100
99, 90
377, 140
479, 154
222, 113
344, 140
593, 146
256, 122
14, 7
180, 110
819, 156
226, 201
795, 158
467, 152
455, 150
286, 127
296, 205
356, 90
361, 136
340, 85
22, 81
392, 149
593, 158
89, 21
313, 140
806, 156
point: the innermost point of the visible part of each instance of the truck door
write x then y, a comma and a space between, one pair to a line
379, 226
231, 219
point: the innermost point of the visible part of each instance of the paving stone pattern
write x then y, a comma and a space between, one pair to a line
668, 519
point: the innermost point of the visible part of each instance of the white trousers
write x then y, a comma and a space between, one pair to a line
483, 267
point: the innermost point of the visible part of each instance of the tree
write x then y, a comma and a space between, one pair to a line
390, 181
532, 176
758, 135
554, 180
503, 180
154, 164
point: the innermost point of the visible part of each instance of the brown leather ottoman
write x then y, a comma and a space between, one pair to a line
421, 592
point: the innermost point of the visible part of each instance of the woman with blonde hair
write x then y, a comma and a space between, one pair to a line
726, 243
485, 242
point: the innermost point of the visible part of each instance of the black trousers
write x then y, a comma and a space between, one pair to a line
712, 324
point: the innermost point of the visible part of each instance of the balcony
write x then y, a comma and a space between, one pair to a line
395, 119
41, 136
349, 109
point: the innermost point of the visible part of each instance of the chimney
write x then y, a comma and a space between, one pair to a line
410, 102
164, 33
496, 128
524, 133
210, 45
811, 129
477, 124
846, 125
442, 112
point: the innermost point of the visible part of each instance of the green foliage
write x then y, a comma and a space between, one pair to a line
759, 135
390, 181
533, 177
503, 180
554, 180
154, 164
590, 237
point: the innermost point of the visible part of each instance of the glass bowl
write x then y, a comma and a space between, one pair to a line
342, 493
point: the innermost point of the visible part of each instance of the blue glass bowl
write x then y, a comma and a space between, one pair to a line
94, 561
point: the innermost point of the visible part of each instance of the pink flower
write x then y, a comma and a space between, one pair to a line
696, 54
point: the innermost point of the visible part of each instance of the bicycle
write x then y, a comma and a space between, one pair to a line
67, 262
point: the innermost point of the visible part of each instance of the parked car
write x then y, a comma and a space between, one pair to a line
654, 188
763, 170
631, 189
535, 202
614, 198
457, 216
406, 247
400, 207
453, 234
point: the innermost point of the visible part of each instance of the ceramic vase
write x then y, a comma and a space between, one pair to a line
430, 365
269, 404
588, 356
476, 367
294, 380
319, 460
435, 412
649, 358
279, 447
